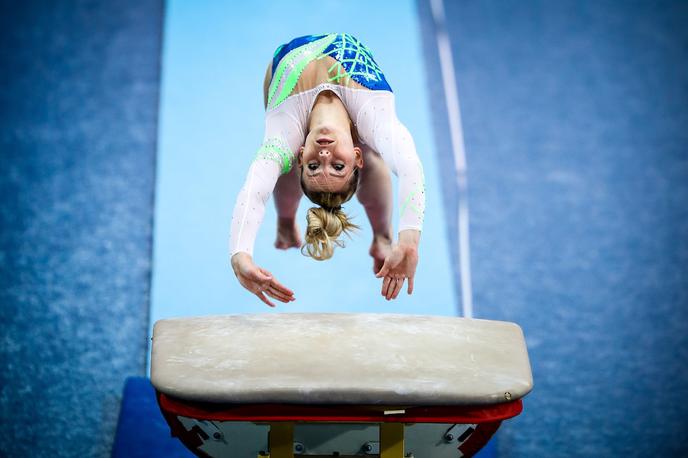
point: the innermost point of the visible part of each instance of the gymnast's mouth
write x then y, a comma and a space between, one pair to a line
324, 141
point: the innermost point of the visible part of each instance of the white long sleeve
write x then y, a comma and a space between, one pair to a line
379, 127
283, 136
249, 208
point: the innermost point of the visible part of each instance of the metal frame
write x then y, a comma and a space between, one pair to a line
281, 440
282, 418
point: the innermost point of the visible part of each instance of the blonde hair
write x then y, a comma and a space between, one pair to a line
327, 222
324, 228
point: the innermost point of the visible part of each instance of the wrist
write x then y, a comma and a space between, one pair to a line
383, 237
239, 257
409, 238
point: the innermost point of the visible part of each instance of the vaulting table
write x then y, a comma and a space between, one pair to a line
386, 369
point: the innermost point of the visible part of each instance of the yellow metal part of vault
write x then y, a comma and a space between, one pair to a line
391, 440
281, 440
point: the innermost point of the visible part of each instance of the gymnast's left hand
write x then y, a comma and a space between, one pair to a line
400, 265
259, 281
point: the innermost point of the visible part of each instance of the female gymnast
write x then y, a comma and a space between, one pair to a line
331, 131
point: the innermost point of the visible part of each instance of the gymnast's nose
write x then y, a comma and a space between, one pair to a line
324, 152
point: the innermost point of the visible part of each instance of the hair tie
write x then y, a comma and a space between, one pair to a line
333, 209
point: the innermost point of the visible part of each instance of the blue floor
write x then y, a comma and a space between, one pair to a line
78, 116
574, 116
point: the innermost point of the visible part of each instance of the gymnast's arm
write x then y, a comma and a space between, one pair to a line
275, 157
380, 128
248, 214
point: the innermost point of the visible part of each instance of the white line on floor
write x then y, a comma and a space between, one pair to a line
459, 149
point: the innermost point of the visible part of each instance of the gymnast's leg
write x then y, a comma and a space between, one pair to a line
375, 194
287, 194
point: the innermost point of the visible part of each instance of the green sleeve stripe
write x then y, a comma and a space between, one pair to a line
275, 149
419, 188
407, 202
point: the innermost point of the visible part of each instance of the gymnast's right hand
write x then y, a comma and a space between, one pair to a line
258, 280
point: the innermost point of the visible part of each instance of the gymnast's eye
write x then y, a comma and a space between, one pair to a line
338, 167
312, 166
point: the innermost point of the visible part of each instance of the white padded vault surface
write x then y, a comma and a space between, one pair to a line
333, 358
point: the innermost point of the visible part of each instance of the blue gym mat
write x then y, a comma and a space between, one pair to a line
78, 118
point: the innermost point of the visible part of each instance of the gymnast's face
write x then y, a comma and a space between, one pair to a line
327, 159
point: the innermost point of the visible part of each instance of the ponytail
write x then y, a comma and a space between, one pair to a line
325, 225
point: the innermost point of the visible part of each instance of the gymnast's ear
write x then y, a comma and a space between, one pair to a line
299, 157
358, 155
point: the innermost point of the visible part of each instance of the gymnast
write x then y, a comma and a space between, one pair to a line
331, 131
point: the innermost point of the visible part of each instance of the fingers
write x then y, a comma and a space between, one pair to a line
261, 282
279, 295
391, 286
385, 286
271, 291
281, 289
410, 285
262, 297
390, 263
278, 286
383, 271
397, 287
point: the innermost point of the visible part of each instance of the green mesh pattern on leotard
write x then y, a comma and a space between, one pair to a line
275, 149
290, 68
353, 61
355, 55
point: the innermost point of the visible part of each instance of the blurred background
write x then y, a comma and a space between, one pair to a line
126, 129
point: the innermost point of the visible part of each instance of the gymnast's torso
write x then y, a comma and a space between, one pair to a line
300, 70
306, 62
